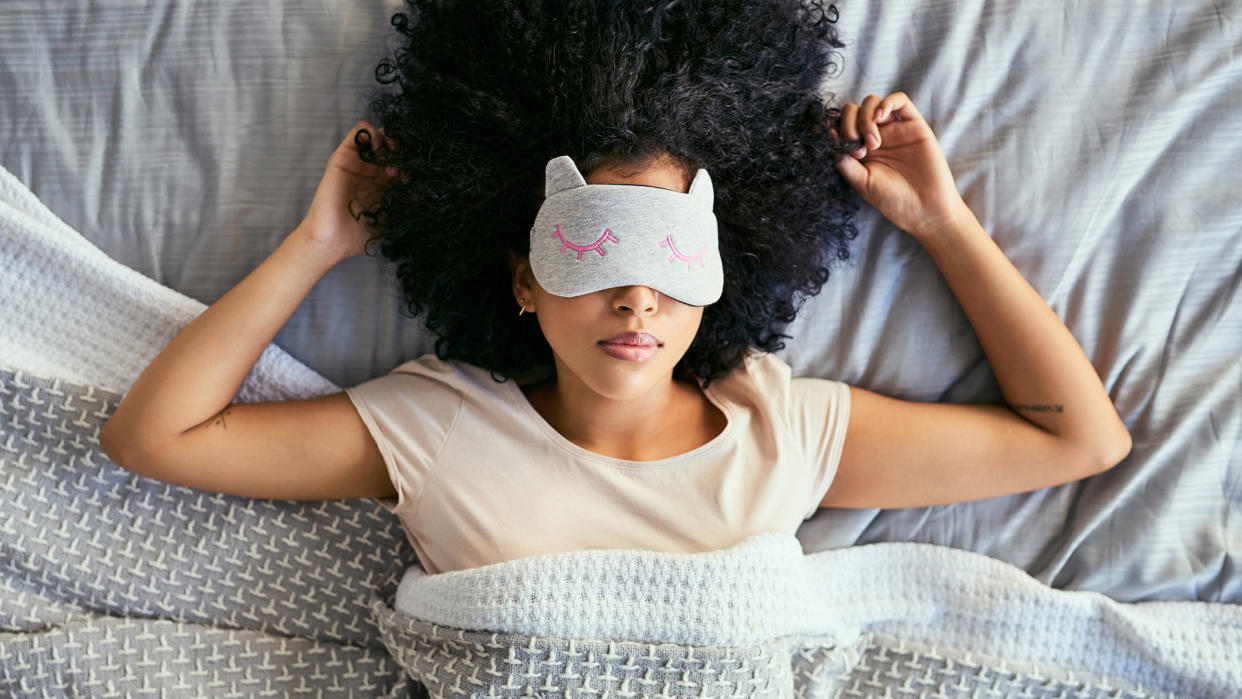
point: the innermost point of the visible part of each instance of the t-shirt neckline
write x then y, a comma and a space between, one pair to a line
518, 397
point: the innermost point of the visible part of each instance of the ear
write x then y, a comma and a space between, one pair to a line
519, 267
560, 174
701, 189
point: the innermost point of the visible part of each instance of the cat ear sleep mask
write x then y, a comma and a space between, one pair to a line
589, 237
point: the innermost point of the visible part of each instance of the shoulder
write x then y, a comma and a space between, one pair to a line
427, 365
765, 366
412, 381
461, 377
759, 372
772, 372
417, 382
759, 382
770, 379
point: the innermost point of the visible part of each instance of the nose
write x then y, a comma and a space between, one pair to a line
642, 299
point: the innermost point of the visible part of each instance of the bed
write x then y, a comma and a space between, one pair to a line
155, 152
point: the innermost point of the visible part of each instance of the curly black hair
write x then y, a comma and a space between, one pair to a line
486, 93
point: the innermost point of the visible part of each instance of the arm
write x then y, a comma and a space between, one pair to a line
1060, 424
1039, 366
193, 379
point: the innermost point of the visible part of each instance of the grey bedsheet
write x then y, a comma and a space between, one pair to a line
1098, 143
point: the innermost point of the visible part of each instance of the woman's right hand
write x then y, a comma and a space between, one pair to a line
348, 187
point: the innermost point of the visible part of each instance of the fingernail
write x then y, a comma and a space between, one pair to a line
873, 141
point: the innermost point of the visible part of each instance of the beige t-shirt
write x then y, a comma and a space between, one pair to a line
482, 478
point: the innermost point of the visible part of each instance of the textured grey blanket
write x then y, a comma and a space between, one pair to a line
114, 585
117, 585
761, 618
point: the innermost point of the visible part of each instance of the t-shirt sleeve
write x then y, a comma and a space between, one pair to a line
410, 413
819, 411
816, 412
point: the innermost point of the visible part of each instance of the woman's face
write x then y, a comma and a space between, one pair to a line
577, 327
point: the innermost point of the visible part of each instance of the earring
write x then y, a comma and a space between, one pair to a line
523, 302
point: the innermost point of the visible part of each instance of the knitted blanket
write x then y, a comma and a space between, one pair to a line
112, 584
115, 585
763, 619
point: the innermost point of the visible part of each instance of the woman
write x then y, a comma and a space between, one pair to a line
697, 441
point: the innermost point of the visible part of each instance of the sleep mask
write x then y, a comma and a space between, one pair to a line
589, 237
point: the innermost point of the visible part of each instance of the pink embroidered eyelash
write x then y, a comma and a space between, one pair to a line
593, 246
668, 240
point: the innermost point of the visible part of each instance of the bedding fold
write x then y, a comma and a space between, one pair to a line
762, 618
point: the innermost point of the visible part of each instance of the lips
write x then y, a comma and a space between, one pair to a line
629, 353
633, 339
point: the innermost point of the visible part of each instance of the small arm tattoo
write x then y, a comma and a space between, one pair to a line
220, 418
1040, 408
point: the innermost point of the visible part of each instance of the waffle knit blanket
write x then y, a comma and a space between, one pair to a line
764, 619
114, 585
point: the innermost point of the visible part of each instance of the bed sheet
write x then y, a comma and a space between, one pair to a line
1097, 142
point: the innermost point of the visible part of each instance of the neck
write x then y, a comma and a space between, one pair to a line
635, 428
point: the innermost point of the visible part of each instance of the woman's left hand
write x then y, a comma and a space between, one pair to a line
902, 172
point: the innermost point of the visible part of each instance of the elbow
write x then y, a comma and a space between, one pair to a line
1115, 452
117, 447
108, 442
112, 439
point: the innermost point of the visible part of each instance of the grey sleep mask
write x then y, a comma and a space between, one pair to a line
589, 237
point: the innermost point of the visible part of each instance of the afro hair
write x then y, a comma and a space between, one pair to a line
479, 96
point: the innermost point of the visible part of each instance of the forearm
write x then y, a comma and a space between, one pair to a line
1041, 369
199, 372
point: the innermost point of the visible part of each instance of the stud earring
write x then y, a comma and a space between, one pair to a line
523, 302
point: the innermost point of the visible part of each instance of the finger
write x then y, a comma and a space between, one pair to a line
849, 113
349, 141
856, 153
374, 136
849, 128
898, 105
884, 110
866, 122
852, 170
383, 139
